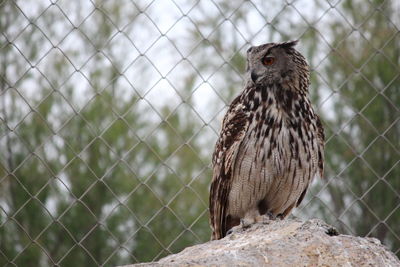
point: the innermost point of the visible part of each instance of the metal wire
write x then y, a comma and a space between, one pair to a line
109, 112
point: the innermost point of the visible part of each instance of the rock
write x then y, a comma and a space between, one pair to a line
284, 243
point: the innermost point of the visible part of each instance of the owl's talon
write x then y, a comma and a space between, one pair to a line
235, 229
266, 219
244, 224
270, 215
230, 231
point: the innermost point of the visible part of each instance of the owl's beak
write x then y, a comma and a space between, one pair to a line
254, 76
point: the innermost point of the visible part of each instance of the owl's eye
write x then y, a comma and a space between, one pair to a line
268, 60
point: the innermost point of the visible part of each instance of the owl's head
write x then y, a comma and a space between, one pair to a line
277, 63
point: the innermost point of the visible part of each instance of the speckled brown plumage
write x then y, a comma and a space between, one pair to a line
271, 142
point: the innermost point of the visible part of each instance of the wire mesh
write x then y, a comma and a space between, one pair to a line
110, 109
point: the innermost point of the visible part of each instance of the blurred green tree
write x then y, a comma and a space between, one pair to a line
81, 184
93, 173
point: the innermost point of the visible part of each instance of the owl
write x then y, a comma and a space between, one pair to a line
271, 144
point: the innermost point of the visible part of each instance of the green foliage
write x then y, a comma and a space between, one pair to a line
80, 184
92, 172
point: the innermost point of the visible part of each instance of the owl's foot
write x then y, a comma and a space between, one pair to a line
244, 224
230, 231
234, 229
268, 217
265, 219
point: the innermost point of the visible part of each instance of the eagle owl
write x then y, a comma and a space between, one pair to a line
271, 142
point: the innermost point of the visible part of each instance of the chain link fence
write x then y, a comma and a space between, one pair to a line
109, 111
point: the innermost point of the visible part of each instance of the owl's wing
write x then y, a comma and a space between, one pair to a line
320, 159
234, 127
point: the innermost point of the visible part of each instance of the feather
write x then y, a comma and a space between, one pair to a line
234, 127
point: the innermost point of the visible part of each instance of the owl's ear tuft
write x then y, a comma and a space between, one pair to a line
288, 44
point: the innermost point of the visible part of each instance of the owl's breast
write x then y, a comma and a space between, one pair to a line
274, 164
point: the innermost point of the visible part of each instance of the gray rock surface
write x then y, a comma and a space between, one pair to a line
284, 243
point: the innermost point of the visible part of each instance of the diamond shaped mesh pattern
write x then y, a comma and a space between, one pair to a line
109, 111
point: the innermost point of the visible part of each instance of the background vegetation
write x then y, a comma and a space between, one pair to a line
109, 112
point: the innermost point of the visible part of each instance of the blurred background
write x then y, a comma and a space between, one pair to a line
109, 112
